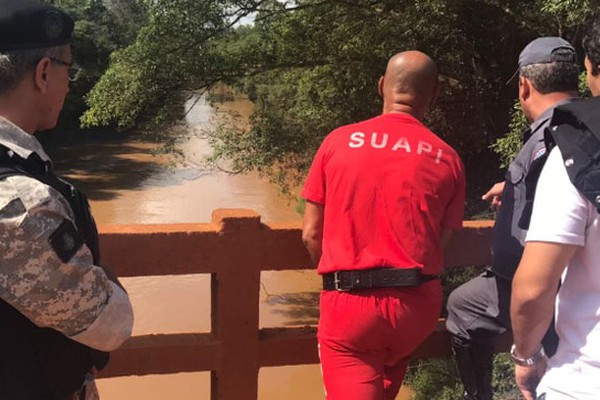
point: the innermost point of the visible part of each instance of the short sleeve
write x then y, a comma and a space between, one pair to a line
538, 150
55, 285
560, 213
453, 219
314, 189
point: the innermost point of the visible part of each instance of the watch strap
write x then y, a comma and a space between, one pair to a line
529, 361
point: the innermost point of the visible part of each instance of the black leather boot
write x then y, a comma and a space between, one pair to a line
483, 356
464, 368
474, 367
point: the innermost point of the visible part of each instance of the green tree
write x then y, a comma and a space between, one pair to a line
147, 82
323, 75
101, 27
572, 17
312, 65
509, 145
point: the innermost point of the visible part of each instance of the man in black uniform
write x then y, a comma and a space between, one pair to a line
60, 310
478, 310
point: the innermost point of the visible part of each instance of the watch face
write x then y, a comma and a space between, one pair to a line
527, 362
53, 25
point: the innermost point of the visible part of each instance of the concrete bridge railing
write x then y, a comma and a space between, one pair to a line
234, 249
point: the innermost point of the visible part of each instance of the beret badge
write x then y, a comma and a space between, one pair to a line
53, 25
31, 24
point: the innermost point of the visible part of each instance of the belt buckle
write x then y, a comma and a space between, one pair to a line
337, 281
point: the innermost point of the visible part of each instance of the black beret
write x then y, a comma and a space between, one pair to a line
27, 24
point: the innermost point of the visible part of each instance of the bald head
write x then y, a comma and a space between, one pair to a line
409, 84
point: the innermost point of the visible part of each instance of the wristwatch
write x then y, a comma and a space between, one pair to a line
527, 362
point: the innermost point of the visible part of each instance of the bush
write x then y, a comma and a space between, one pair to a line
436, 379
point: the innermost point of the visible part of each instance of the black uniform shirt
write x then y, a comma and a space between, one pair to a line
512, 220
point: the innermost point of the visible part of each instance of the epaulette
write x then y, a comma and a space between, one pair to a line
7, 165
575, 129
11, 164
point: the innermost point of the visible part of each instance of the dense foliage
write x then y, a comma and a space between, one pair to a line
309, 66
312, 65
101, 27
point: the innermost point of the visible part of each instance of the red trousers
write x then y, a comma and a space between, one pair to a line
366, 338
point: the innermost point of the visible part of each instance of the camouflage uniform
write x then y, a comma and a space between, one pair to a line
72, 296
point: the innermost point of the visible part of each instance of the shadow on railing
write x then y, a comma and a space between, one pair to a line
234, 249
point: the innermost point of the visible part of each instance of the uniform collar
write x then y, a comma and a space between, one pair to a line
546, 115
19, 141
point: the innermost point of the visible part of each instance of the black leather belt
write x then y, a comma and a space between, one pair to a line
375, 278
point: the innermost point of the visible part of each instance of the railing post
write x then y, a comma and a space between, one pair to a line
235, 306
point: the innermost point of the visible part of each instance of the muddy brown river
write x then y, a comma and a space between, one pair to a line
127, 184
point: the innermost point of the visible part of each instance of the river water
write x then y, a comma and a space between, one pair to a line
127, 184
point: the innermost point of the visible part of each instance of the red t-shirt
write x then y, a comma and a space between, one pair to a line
389, 185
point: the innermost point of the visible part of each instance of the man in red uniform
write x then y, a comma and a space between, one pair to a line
382, 197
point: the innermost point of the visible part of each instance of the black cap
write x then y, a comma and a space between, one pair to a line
546, 50
28, 24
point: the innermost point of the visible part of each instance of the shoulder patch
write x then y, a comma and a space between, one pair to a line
65, 241
539, 153
8, 194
